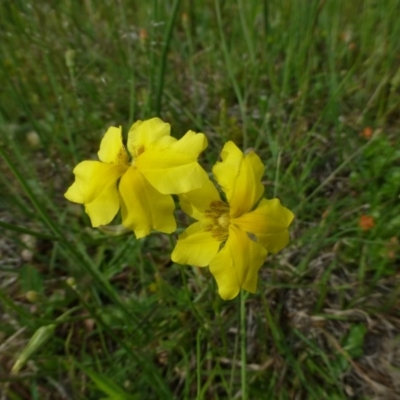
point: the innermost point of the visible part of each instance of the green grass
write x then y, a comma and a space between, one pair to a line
93, 316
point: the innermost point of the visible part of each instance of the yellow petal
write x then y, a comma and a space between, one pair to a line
197, 201
103, 208
174, 169
191, 143
195, 246
96, 186
112, 149
269, 222
240, 178
236, 265
143, 133
143, 208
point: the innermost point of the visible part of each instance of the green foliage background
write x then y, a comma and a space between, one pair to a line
87, 315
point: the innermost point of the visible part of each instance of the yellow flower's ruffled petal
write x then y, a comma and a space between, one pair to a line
112, 149
103, 208
143, 133
197, 201
143, 208
240, 178
269, 222
191, 143
174, 169
195, 246
227, 171
236, 265
96, 186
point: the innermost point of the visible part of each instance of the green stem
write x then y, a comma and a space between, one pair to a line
278, 165
231, 74
243, 343
21, 229
198, 363
163, 63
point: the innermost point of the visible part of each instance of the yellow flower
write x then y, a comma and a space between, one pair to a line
160, 165
248, 235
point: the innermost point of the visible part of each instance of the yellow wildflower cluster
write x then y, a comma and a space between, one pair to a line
232, 235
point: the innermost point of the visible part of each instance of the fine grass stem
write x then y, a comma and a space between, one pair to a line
243, 344
164, 54
229, 67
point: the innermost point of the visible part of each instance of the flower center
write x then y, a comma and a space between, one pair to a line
122, 157
137, 151
217, 220
223, 221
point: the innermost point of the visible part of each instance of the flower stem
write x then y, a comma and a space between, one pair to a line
243, 343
